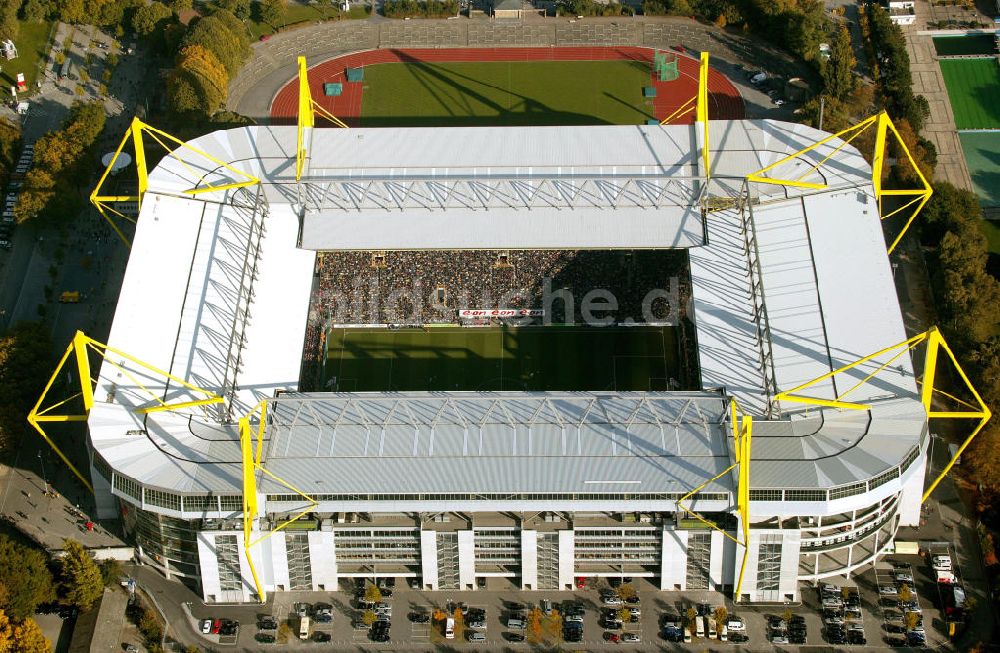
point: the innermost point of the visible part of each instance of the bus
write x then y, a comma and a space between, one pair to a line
304, 628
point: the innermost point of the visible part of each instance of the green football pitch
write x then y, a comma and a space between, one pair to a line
974, 91
505, 93
527, 358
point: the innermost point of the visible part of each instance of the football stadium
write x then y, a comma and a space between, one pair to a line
508, 355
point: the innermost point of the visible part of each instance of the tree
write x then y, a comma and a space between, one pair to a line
838, 70
220, 35
787, 615
111, 572
905, 594
198, 83
691, 620
180, 5
369, 617
373, 594
459, 617
624, 615
554, 625
81, 580
273, 12
36, 10
721, 614
28, 638
626, 591
26, 575
6, 632
535, 626
912, 620
147, 18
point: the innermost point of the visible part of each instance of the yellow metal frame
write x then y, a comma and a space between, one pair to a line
308, 108
699, 104
251, 457
935, 344
80, 347
883, 126
135, 132
742, 425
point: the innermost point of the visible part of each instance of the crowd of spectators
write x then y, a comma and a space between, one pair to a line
424, 287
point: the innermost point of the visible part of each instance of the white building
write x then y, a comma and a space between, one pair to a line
901, 12
788, 284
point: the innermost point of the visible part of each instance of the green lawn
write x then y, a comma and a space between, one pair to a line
300, 13
974, 91
982, 156
32, 48
529, 358
992, 230
505, 93
957, 45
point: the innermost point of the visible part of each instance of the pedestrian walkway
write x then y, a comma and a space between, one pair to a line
929, 82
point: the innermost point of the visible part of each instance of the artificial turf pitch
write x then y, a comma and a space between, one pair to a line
526, 358
974, 91
505, 93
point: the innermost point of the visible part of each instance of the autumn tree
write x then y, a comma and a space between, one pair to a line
626, 591
80, 577
535, 626
224, 35
6, 632
149, 17
905, 594
198, 82
368, 617
691, 620
273, 12
373, 594
624, 615
459, 617
554, 625
28, 638
721, 615
25, 573
111, 572
838, 70
24, 369
912, 620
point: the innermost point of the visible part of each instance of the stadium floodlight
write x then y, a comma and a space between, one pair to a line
883, 125
135, 132
80, 348
308, 108
699, 104
935, 344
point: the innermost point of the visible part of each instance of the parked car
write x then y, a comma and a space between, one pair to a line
206, 626
630, 637
321, 637
268, 623
419, 617
264, 638
513, 637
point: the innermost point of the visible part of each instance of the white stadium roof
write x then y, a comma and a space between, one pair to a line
789, 288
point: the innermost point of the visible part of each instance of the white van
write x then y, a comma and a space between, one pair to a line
449, 629
699, 625
687, 635
941, 563
304, 628
723, 633
710, 627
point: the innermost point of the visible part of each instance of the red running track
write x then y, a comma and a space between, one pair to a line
725, 101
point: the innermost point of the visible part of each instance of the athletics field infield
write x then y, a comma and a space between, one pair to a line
501, 358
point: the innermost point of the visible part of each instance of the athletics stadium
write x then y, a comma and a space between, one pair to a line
507, 355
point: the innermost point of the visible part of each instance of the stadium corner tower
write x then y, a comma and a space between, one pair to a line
270, 488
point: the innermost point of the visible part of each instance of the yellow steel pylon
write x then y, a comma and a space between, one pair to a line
742, 425
79, 348
135, 132
883, 126
699, 104
251, 456
935, 343
308, 108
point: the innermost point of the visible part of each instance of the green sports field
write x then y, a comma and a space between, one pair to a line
505, 93
527, 358
960, 45
974, 91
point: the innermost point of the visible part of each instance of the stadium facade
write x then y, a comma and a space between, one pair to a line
788, 284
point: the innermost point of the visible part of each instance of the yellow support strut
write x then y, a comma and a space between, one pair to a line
80, 347
935, 343
135, 132
308, 108
883, 127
